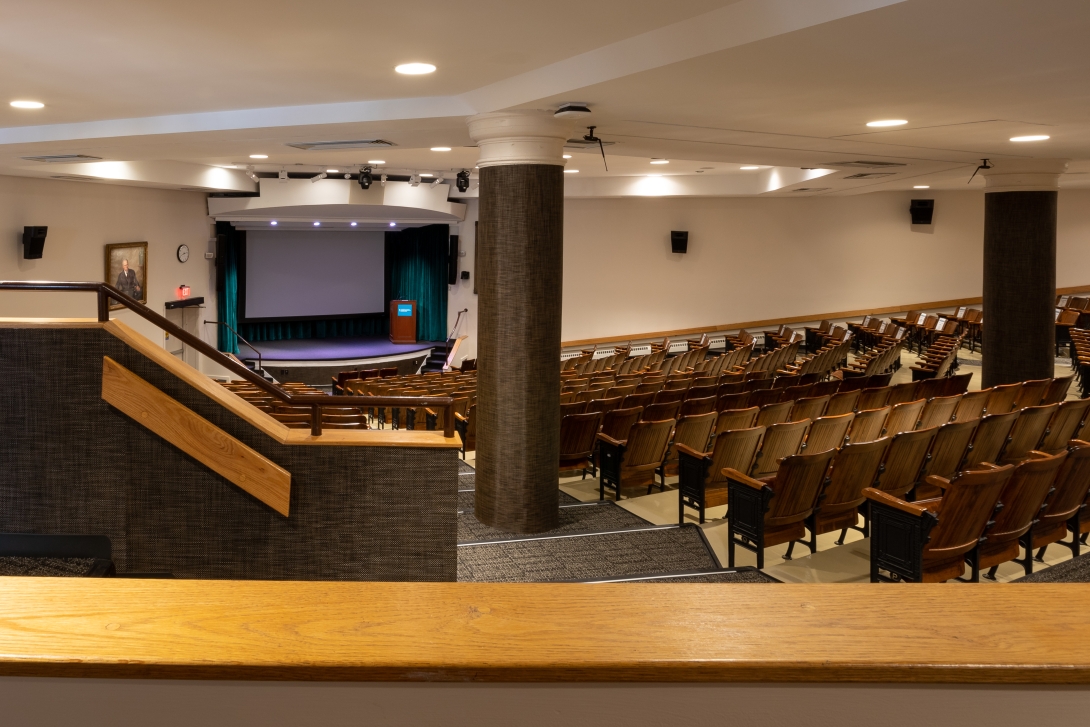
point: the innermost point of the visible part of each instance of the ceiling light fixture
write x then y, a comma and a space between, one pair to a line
251, 175
922, 186
376, 162
353, 224
1031, 137
749, 168
437, 181
427, 174
283, 175
462, 180
886, 122
323, 175
566, 156
571, 171
414, 180
332, 171
660, 161
440, 148
393, 224
382, 180
27, 104
415, 69
259, 156
365, 178
273, 223
317, 224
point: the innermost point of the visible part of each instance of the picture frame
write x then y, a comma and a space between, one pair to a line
127, 270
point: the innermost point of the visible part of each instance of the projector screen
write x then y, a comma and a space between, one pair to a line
312, 273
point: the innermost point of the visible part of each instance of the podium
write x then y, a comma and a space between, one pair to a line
403, 321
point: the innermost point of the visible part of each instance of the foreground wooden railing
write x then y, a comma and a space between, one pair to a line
107, 293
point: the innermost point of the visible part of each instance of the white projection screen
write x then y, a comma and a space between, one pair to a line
313, 273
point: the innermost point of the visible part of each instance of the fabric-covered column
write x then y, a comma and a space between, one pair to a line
520, 284
1020, 270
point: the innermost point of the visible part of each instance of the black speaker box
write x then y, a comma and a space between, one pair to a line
922, 210
452, 261
33, 242
465, 275
679, 241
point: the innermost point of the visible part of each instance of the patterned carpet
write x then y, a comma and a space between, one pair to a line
1076, 570
55, 567
586, 557
575, 517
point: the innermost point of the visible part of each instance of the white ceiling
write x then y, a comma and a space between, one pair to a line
710, 85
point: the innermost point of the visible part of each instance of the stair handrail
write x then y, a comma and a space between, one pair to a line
317, 402
260, 365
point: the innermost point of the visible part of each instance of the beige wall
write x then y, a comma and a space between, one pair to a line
83, 218
763, 258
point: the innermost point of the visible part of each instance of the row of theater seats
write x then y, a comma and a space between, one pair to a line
1080, 358
298, 417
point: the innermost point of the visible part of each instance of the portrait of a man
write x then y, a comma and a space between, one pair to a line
127, 270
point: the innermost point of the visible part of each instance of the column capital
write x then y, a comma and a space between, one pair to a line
519, 137
1024, 175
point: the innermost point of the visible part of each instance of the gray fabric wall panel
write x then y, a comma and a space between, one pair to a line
1019, 286
70, 463
520, 283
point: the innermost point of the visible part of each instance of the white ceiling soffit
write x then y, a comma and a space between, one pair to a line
741, 185
159, 174
340, 201
740, 23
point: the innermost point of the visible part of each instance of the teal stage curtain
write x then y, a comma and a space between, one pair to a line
416, 269
227, 242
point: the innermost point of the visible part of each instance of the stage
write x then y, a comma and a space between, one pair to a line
314, 360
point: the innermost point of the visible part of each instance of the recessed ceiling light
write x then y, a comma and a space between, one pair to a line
273, 223
440, 148
415, 69
393, 224
352, 223
1032, 137
660, 161
571, 171
332, 171
922, 186
376, 161
426, 174
566, 156
887, 122
748, 169
27, 104
317, 224
259, 156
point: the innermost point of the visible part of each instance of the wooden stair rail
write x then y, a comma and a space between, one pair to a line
316, 402
196, 436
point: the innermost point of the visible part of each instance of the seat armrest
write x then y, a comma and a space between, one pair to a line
610, 440
935, 481
460, 418
1034, 454
736, 476
884, 498
682, 449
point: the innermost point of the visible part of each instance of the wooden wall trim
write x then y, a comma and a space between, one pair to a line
480, 632
196, 436
952, 303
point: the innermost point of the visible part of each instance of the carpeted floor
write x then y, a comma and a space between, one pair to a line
575, 517
55, 567
1076, 570
586, 557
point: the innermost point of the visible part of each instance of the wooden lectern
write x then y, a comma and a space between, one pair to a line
403, 321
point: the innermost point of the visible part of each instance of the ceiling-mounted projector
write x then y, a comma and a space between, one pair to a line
572, 111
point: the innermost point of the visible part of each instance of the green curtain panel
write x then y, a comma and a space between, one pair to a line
227, 244
416, 266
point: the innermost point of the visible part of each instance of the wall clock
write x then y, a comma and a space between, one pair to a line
183, 253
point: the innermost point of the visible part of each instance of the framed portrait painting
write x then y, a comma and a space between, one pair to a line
127, 270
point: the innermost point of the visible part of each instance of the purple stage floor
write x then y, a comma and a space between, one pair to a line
332, 349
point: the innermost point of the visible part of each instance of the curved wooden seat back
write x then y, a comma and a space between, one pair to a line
854, 468
904, 417
1023, 497
602, 406
650, 388
842, 402
825, 388
939, 411
661, 412
765, 397
577, 433
1028, 432
620, 391
904, 461
681, 385
990, 439
780, 440
667, 396
1067, 499
774, 413
827, 433
640, 400
948, 449
1032, 393
645, 451
736, 419
901, 393
971, 406
873, 398
1001, 398
693, 432
589, 394
732, 401
795, 489
576, 407
733, 449
693, 407
619, 422
1064, 425
809, 408
701, 392
967, 505
1057, 390
956, 384
868, 425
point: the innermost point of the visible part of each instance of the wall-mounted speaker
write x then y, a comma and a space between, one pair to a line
465, 275
922, 211
679, 241
452, 261
33, 242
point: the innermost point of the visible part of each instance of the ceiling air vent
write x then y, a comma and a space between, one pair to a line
871, 175
865, 165
56, 158
354, 144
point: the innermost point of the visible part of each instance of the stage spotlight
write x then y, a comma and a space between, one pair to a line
382, 181
437, 180
366, 178
414, 180
462, 180
283, 175
251, 175
323, 175
347, 175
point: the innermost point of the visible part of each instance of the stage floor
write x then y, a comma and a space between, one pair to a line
333, 349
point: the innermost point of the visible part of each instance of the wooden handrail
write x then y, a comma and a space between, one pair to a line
317, 402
